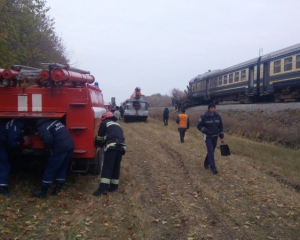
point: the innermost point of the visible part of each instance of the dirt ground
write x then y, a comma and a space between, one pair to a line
165, 193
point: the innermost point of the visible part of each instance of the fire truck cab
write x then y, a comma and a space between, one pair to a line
62, 93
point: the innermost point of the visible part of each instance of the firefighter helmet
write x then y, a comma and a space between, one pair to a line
106, 115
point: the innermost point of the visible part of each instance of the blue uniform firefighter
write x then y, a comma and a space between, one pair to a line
11, 137
210, 124
111, 138
58, 140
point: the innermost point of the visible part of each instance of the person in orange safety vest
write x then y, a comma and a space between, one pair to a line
183, 124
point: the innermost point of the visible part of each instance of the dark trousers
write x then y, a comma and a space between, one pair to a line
4, 167
111, 169
56, 168
211, 143
165, 121
182, 134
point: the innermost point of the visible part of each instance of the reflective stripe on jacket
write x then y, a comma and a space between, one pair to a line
110, 136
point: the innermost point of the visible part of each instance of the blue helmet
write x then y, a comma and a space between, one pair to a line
96, 83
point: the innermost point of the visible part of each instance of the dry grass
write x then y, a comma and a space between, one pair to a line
282, 128
165, 193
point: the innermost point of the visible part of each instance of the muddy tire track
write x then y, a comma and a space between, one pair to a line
174, 194
214, 218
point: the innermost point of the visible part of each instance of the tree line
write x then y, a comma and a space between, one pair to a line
159, 100
27, 34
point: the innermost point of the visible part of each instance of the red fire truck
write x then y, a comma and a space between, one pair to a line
58, 92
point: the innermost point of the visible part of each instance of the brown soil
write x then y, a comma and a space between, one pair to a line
165, 193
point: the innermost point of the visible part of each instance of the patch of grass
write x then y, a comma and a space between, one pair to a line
282, 129
278, 159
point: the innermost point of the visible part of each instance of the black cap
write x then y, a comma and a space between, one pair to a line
183, 110
211, 105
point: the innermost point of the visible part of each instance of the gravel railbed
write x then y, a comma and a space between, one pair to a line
261, 107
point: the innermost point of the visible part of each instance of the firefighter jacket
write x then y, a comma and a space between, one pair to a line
55, 136
11, 134
166, 113
211, 125
110, 136
183, 121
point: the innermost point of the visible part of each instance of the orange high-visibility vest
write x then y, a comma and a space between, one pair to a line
182, 120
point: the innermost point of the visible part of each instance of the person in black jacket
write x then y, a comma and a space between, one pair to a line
210, 124
111, 138
58, 140
11, 137
166, 116
121, 111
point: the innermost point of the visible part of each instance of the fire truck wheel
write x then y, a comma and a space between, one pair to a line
97, 164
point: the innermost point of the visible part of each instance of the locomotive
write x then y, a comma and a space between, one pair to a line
135, 108
272, 77
58, 92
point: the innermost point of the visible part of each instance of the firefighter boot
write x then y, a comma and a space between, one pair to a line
39, 193
113, 187
102, 190
4, 190
57, 189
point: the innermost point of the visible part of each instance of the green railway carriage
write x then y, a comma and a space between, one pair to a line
275, 76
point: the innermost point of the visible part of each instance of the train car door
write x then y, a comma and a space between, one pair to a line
251, 79
207, 85
265, 77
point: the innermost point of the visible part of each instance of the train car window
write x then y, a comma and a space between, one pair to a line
236, 76
298, 61
231, 78
243, 75
215, 82
277, 66
220, 81
288, 64
225, 79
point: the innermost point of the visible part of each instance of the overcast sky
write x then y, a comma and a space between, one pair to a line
158, 45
